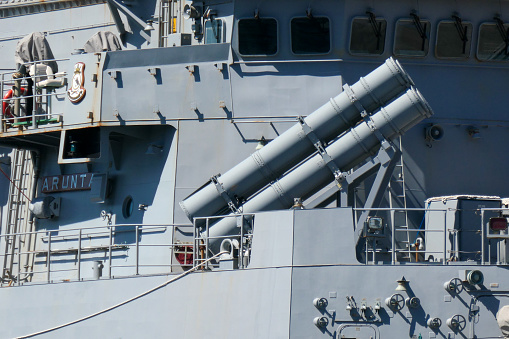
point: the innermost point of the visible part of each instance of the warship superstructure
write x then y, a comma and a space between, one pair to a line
254, 169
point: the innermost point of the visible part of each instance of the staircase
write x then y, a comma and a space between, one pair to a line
16, 247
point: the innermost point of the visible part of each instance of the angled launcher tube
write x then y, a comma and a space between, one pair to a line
379, 87
348, 151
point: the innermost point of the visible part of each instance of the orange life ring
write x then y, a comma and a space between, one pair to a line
6, 111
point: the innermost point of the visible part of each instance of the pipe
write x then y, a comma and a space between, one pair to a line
347, 151
379, 87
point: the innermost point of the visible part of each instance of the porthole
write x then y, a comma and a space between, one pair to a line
128, 207
368, 36
310, 35
257, 36
412, 37
493, 42
453, 39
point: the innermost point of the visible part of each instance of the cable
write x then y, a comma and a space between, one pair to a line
12, 182
123, 302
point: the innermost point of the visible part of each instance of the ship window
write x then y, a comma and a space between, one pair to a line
127, 207
257, 36
412, 37
493, 41
310, 35
82, 143
453, 39
368, 36
213, 31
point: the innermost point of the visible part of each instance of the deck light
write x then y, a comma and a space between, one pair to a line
375, 224
149, 26
262, 142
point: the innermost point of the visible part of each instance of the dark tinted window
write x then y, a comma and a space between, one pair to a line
257, 36
412, 38
310, 35
453, 39
368, 36
493, 42
213, 31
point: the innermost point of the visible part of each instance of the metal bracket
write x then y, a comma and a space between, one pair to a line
308, 131
365, 116
224, 194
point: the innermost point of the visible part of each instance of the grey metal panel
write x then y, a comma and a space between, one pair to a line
311, 247
186, 55
371, 284
259, 89
201, 305
191, 89
198, 158
273, 239
469, 159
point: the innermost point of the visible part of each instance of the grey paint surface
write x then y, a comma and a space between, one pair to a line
297, 255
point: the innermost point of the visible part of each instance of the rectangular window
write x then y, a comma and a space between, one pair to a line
214, 31
453, 39
310, 35
412, 37
368, 36
493, 41
257, 36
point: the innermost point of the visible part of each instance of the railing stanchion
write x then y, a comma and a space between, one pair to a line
137, 251
19, 260
48, 257
109, 251
205, 256
4, 128
79, 255
195, 247
482, 238
445, 238
393, 240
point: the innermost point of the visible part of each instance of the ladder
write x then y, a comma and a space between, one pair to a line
167, 20
16, 246
397, 192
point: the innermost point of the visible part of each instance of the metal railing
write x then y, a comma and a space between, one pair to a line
441, 240
203, 250
61, 255
63, 252
41, 98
